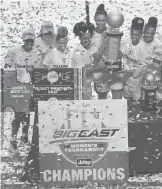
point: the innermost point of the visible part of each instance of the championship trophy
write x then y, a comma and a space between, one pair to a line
113, 60
150, 89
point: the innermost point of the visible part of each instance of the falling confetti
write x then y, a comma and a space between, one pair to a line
18, 15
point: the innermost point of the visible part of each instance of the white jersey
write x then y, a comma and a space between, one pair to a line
83, 57
160, 35
131, 54
45, 48
57, 58
148, 49
17, 57
96, 43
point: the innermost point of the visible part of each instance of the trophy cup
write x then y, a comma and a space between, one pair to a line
113, 60
150, 90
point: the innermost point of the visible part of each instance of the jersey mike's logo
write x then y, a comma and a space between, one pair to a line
52, 77
84, 147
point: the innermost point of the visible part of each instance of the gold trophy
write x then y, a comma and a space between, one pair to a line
115, 19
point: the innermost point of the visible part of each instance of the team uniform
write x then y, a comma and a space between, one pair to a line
96, 43
148, 49
43, 43
159, 36
133, 85
96, 40
83, 57
57, 58
131, 54
42, 46
18, 58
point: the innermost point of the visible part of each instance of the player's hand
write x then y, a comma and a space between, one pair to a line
105, 35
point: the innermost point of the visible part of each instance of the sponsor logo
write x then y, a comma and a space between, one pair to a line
84, 147
52, 77
82, 134
84, 162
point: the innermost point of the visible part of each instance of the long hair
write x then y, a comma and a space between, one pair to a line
101, 10
82, 28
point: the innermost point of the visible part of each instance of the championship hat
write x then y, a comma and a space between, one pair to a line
28, 34
47, 26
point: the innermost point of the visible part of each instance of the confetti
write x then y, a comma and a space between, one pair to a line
19, 15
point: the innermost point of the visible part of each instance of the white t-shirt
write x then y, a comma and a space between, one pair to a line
83, 57
160, 35
43, 46
96, 43
17, 57
131, 54
96, 40
147, 50
57, 58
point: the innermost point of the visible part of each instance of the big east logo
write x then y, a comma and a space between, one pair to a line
84, 143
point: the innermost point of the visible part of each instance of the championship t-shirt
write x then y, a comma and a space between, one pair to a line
17, 57
83, 57
131, 54
45, 48
57, 58
96, 43
148, 49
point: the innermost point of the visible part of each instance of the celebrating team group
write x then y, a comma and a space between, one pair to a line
49, 49
141, 52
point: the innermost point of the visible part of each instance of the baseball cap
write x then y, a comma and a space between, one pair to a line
158, 54
47, 26
152, 22
28, 34
62, 30
138, 23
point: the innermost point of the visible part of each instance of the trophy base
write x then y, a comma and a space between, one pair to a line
115, 67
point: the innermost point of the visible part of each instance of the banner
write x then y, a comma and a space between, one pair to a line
58, 84
83, 141
16, 91
22, 89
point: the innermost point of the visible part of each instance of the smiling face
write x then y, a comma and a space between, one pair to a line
48, 37
149, 34
135, 36
85, 40
100, 20
28, 45
62, 44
